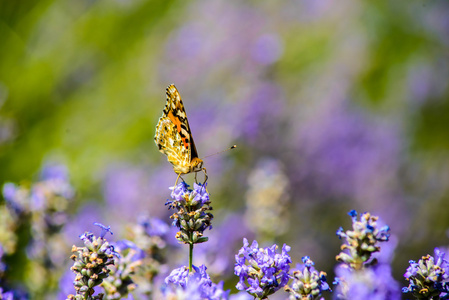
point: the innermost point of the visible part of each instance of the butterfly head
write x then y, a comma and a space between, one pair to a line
196, 164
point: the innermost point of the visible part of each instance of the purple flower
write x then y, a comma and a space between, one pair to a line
362, 241
183, 194
179, 191
104, 229
262, 271
54, 171
178, 276
99, 244
6, 295
13, 294
49, 196
54, 181
17, 197
201, 195
215, 291
195, 285
375, 283
307, 283
192, 216
91, 263
429, 277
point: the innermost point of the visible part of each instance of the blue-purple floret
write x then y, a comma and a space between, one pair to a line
262, 271
178, 191
353, 215
178, 276
307, 261
104, 229
201, 194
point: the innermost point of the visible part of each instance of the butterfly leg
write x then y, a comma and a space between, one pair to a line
205, 175
205, 179
176, 182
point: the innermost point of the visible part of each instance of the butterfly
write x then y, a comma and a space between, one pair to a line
174, 138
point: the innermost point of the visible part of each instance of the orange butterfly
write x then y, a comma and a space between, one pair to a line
174, 138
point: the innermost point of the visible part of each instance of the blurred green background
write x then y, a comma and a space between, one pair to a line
334, 105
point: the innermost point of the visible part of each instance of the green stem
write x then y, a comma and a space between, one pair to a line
190, 257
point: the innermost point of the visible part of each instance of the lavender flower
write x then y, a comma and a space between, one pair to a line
13, 294
179, 276
119, 282
91, 263
362, 241
359, 276
17, 197
194, 285
429, 277
6, 295
375, 282
262, 271
192, 217
144, 255
307, 282
44, 203
41, 209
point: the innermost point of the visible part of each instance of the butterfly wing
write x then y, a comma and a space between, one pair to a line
173, 136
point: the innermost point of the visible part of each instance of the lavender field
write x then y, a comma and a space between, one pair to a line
336, 108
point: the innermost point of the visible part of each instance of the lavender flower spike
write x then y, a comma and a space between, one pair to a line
91, 264
192, 216
362, 241
429, 277
262, 271
194, 285
307, 282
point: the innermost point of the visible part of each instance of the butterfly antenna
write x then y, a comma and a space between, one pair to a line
230, 148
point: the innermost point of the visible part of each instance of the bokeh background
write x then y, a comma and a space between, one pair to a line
334, 105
